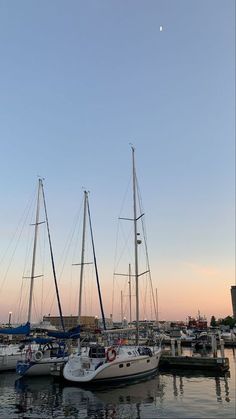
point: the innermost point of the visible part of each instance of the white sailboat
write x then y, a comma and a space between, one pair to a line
50, 352
116, 363
10, 356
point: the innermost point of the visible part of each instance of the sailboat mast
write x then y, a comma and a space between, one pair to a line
135, 248
122, 310
157, 314
130, 309
82, 256
96, 268
34, 252
52, 259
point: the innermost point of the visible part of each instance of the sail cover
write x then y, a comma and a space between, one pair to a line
20, 330
73, 333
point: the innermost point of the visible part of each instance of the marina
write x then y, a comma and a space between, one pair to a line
174, 394
118, 127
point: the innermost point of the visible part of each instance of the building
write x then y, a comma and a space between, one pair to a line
198, 323
86, 322
233, 297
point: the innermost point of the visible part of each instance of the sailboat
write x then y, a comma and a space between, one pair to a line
51, 351
11, 355
57, 370
117, 362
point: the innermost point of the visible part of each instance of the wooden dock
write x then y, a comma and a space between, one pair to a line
194, 362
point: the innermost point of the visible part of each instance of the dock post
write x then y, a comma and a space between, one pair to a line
214, 346
222, 348
179, 347
172, 346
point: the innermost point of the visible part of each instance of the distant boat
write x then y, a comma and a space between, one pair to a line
11, 354
117, 362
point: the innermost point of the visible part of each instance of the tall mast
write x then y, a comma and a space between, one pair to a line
130, 310
34, 252
122, 310
135, 248
52, 259
82, 256
96, 268
157, 314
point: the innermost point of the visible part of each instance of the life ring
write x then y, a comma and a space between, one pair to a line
37, 356
111, 354
28, 354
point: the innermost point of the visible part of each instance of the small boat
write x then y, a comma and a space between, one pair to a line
41, 361
11, 354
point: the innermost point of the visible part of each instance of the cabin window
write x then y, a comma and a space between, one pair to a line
121, 366
148, 360
129, 353
128, 364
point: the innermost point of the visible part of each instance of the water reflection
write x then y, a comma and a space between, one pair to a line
44, 396
37, 395
118, 401
41, 394
178, 386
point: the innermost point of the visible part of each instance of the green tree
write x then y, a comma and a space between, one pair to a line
213, 321
228, 321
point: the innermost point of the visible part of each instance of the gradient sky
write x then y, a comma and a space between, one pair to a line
79, 81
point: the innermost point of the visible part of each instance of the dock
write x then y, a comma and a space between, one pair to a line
194, 362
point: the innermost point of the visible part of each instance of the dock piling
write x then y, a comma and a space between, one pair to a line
172, 346
222, 348
179, 347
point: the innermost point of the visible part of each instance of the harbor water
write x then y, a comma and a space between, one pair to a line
176, 394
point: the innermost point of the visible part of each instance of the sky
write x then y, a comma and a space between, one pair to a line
80, 81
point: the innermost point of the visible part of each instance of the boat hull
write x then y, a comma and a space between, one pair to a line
118, 370
8, 362
39, 368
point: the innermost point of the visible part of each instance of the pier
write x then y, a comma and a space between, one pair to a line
196, 361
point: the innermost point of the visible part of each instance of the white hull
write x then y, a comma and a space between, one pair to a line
127, 365
8, 362
44, 366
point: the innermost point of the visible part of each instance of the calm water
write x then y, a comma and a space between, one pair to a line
180, 395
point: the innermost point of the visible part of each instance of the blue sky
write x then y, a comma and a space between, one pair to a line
79, 81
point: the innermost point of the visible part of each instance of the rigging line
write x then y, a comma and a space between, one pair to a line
19, 303
30, 207
35, 308
25, 292
125, 195
29, 236
126, 239
14, 251
147, 256
114, 263
91, 293
145, 298
96, 270
151, 305
26, 210
66, 249
43, 273
70, 287
76, 222
77, 229
52, 259
145, 243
